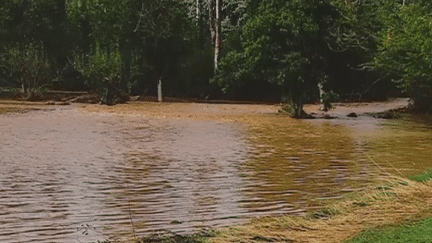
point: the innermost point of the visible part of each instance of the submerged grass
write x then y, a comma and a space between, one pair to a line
175, 238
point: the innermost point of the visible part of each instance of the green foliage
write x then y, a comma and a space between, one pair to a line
406, 52
160, 28
149, 39
105, 21
100, 69
357, 40
328, 98
274, 46
285, 43
418, 232
29, 67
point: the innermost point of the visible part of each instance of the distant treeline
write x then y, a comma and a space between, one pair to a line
291, 50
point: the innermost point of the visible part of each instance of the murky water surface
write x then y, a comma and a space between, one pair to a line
402, 147
73, 176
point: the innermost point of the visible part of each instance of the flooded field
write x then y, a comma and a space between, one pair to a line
87, 173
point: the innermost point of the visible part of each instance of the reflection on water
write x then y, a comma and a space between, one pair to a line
65, 173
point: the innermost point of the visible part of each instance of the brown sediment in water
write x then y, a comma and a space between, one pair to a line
150, 167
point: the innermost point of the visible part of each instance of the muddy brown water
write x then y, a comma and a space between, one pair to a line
70, 175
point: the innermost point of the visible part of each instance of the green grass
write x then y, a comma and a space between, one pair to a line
416, 233
427, 175
420, 232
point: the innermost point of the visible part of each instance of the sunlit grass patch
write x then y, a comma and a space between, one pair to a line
416, 232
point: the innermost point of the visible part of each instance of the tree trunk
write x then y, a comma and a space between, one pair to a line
199, 18
212, 16
323, 107
198, 9
296, 101
126, 56
24, 87
218, 38
160, 99
298, 107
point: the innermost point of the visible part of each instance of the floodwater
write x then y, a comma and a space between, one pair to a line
74, 175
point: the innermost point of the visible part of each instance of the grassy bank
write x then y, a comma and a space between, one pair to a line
418, 231
395, 202
383, 213
414, 232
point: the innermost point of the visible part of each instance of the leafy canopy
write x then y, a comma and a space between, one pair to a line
405, 52
285, 43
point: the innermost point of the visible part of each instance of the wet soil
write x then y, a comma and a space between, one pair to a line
84, 173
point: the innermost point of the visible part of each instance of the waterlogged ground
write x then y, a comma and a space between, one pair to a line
86, 173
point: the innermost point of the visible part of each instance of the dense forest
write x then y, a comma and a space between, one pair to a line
269, 50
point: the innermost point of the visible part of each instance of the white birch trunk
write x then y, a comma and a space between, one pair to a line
160, 99
197, 12
218, 36
323, 106
212, 20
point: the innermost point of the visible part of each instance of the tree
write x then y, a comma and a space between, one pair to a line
161, 29
218, 37
405, 51
29, 65
103, 56
285, 43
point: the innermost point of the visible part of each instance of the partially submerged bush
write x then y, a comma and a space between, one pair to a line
29, 67
102, 72
292, 112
